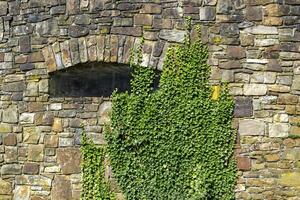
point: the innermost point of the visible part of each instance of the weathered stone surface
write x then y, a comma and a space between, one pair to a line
254, 13
172, 35
10, 139
31, 168
296, 83
25, 45
78, 31
27, 118
243, 163
5, 128
287, 99
36, 152
31, 135
255, 89
133, 31
207, 13
236, 52
143, 19
243, 107
10, 115
22, 192
65, 158
251, 127
290, 179
279, 130
151, 8
11, 169
51, 141
5, 187
262, 30
3, 8
62, 188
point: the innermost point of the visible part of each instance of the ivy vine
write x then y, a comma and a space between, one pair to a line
94, 185
175, 142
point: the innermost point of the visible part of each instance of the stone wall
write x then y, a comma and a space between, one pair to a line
253, 44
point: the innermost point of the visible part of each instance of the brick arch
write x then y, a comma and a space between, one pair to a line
101, 48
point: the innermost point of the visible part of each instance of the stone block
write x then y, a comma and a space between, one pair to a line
243, 107
296, 83
25, 44
5, 187
262, 30
279, 130
51, 141
10, 139
254, 13
290, 179
236, 52
66, 142
3, 8
76, 31
27, 118
31, 135
172, 35
61, 188
287, 99
255, 89
132, 31
251, 127
5, 128
69, 160
143, 19
151, 8
243, 163
207, 13
57, 125
36, 153
11, 169
22, 192
49, 59
31, 168
10, 115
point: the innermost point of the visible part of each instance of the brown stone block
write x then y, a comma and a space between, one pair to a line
36, 152
273, 10
236, 52
272, 157
254, 13
10, 139
5, 187
243, 163
51, 140
133, 31
287, 99
36, 107
69, 160
61, 188
49, 59
31, 168
36, 57
57, 125
151, 8
295, 130
272, 21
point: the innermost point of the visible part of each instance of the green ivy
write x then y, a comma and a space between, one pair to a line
94, 185
175, 142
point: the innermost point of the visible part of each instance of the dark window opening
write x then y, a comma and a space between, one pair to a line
91, 80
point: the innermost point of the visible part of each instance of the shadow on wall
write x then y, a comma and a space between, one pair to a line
92, 80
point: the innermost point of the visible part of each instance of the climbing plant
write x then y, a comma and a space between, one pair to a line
175, 142
94, 185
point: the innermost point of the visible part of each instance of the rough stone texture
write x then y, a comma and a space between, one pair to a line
61, 188
251, 127
69, 160
254, 45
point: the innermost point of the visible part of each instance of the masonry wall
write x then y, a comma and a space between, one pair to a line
253, 44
